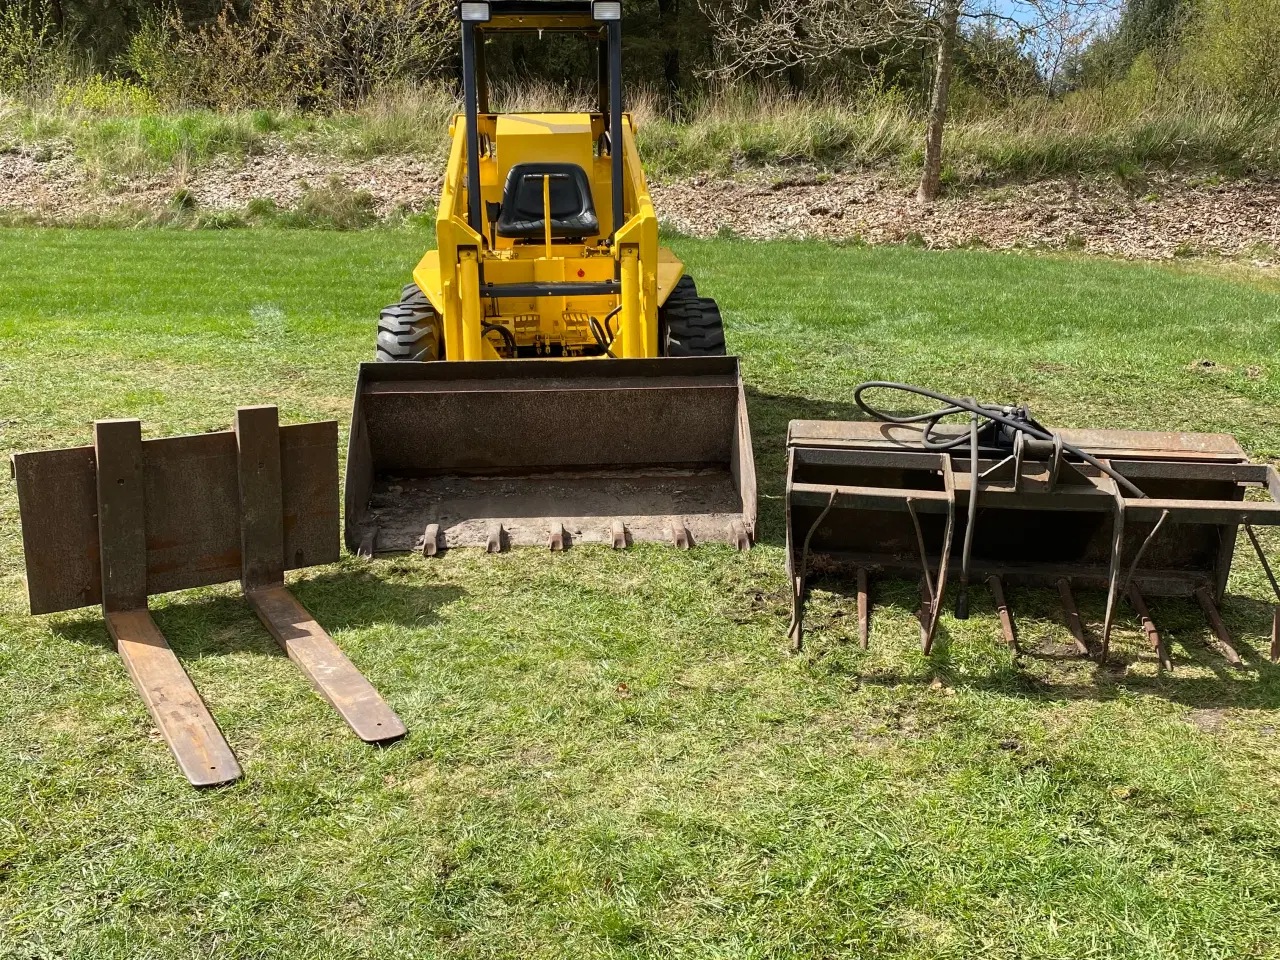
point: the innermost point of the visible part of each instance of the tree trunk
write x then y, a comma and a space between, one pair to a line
931, 178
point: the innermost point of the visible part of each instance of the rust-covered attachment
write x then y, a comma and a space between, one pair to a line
880, 498
127, 518
549, 453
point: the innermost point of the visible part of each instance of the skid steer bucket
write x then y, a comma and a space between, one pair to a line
549, 453
868, 499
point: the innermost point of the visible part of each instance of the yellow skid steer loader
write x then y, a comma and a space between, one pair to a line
551, 375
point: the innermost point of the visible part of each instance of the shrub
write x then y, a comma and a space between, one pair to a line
32, 55
1233, 50
334, 206
306, 52
112, 96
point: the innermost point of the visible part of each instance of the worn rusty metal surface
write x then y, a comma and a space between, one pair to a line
541, 425
121, 513
309, 485
193, 511
1107, 444
1007, 626
181, 716
1072, 616
1220, 632
190, 488
854, 492
1158, 644
540, 444
58, 506
330, 671
257, 432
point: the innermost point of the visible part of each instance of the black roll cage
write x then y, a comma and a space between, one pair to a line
475, 87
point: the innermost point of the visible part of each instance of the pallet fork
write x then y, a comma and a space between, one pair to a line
127, 518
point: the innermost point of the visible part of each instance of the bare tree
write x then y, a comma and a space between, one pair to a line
767, 37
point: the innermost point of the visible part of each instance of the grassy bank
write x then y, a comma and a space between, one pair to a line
611, 754
119, 135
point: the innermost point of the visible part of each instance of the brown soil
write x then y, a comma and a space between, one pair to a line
1168, 216
1165, 216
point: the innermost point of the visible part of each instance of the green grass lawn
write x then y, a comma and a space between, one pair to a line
613, 754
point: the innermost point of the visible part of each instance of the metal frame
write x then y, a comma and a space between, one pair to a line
475, 97
417, 422
140, 517
1044, 481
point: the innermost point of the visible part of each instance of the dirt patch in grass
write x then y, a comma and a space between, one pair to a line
1174, 216
1165, 217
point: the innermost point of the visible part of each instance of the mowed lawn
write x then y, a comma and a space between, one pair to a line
614, 754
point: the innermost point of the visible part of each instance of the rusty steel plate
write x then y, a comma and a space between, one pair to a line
192, 517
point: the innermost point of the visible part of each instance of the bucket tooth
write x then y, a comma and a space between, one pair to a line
555, 539
1149, 627
368, 543
431, 540
1007, 626
1275, 635
679, 534
618, 535
864, 610
1219, 628
737, 535
493, 544
1072, 615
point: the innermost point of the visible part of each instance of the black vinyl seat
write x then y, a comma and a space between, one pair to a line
573, 214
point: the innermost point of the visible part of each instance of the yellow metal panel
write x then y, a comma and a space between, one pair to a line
632, 328
472, 310
427, 276
670, 270
543, 124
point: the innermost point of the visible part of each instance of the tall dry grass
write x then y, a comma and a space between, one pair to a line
117, 130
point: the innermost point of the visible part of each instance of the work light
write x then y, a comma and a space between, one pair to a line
606, 10
475, 12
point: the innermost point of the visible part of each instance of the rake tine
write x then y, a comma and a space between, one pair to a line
1149, 627
926, 616
1113, 575
796, 630
1074, 624
934, 602
1006, 618
1275, 587
924, 556
864, 610
1219, 628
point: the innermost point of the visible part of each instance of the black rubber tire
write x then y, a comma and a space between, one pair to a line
692, 326
409, 330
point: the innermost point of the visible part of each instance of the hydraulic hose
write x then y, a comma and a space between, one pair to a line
1005, 416
508, 337
984, 424
604, 340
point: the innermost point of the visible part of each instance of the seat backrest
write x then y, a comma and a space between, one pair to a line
573, 214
